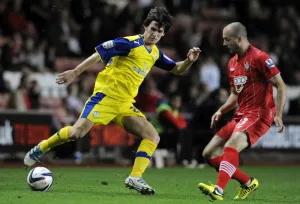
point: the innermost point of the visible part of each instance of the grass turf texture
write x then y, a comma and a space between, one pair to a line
278, 184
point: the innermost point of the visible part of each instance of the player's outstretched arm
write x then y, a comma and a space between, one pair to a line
69, 75
230, 104
278, 82
182, 66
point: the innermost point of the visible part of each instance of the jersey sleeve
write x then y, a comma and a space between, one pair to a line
164, 62
266, 66
111, 48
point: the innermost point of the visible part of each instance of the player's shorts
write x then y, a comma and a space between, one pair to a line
101, 109
255, 126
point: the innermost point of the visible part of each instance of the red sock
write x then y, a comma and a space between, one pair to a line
238, 174
228, 166
215, 162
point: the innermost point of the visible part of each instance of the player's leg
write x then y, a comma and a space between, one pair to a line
66, 134
140, 127
213, 151
246, 133
135, 122
213, 154
253, 132
229, 163
69, 133
229, 166
237, 142
96, 104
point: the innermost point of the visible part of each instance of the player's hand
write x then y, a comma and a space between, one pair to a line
193, 54
215, 118
66, 77
279, 123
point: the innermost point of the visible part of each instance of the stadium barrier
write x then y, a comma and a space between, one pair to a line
19, 131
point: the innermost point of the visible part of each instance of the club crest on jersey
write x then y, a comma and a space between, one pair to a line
247, 66
239, 83
154, 56
96, 114
270, 63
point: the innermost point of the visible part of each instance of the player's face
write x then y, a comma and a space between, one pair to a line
230, 42
153, 33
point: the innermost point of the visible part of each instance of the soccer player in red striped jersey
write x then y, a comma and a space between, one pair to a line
252, 73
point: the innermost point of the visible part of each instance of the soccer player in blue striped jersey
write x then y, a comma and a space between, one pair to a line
128, 61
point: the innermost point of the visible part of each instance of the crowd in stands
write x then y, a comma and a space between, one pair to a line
35, 34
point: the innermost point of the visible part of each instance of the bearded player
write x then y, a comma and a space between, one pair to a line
252, 73
128, 61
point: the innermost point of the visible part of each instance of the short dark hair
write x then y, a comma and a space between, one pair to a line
161, 16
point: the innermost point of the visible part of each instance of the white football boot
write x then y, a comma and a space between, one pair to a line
138, 184
34, 155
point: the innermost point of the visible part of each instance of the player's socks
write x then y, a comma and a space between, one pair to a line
215, 162
247, 183
238, 175
143, 157
228, 166
241, 177
62, 136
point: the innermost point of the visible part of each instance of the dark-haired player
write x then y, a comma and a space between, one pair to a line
128, 61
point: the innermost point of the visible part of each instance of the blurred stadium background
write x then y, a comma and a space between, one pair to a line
40, 38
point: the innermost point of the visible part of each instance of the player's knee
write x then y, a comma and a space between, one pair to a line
154, 138
206, 155
75, 133
238, 141
151, 134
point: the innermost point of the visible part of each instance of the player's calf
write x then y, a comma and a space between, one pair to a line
213, 149
80, 129
76, 133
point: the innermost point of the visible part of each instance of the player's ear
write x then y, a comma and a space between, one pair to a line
239, 39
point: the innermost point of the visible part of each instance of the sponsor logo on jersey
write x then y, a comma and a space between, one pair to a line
141, 71
239, 83
232, 69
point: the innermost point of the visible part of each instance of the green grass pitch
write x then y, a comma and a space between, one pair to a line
278, 184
